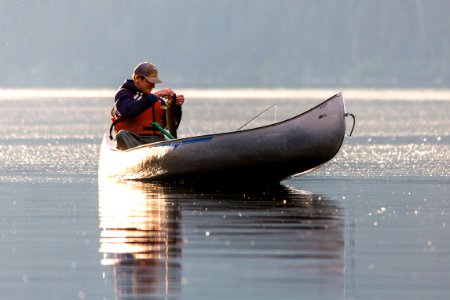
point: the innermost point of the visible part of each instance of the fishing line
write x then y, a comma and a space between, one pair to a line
252, 119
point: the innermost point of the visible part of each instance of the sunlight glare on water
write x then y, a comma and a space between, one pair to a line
400, 127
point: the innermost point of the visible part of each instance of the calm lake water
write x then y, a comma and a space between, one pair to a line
374, 223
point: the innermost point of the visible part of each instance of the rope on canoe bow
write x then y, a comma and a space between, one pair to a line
354, 122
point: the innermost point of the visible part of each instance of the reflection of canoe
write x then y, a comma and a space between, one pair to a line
156, 238
272, 152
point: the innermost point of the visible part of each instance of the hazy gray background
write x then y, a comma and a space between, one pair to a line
226, 43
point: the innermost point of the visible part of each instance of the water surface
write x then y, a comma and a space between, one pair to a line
370, 224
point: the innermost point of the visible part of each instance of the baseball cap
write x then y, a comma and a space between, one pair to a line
148, 71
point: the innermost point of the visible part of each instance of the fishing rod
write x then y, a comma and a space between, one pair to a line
252, 119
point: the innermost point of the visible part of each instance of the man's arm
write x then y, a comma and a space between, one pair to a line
127, 107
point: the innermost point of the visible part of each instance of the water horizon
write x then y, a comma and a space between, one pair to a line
379, 94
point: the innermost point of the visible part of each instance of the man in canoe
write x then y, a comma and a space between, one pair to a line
139, 116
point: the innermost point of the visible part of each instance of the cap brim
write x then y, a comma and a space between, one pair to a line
153, 80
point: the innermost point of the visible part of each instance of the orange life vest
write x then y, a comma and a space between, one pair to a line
141, 124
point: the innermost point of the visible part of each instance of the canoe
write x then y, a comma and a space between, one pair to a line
268, 153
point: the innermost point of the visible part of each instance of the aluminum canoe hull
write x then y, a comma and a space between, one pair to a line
270, 153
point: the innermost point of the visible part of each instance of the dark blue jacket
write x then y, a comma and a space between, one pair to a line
130, 101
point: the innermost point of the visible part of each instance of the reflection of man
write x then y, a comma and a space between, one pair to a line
137, 107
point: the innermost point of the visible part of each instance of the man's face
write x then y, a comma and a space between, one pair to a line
144, 85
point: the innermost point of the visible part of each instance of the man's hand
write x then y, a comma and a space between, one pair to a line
180, 100
165, 93
168, 93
